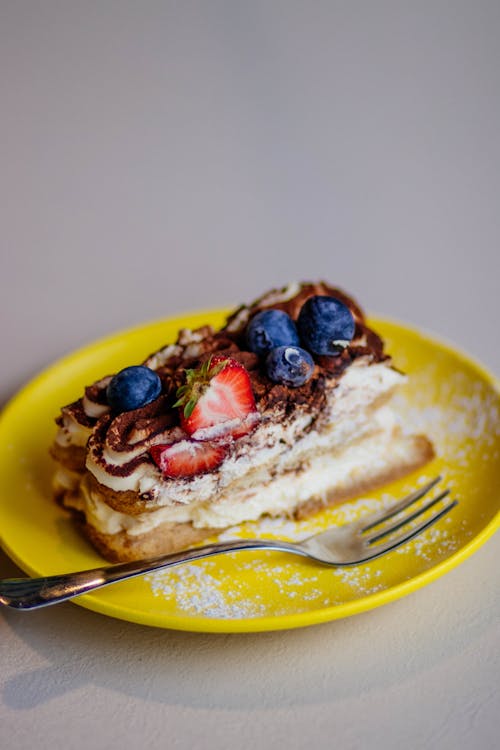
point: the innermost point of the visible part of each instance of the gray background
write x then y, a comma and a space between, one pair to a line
158, 157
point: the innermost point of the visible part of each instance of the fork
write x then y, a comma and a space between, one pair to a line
352, 544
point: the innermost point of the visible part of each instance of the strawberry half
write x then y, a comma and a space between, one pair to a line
217, 400
187, 458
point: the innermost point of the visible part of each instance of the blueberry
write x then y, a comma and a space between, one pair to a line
132, 388
270, 328
289, 365
326, 325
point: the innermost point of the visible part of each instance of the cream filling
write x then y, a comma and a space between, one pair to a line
323, 473
343, 419
66, 480
72, 433
93, 409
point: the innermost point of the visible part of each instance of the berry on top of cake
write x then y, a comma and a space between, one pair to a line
283, 411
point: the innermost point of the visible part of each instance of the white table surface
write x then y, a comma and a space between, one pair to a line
158, 157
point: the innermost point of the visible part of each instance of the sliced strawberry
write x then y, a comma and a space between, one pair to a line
217, 400
187, 458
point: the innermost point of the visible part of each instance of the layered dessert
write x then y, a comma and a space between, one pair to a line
283, 411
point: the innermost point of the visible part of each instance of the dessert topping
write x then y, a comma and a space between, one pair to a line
326, 325
290, 365
187, 457
217, 400
132, 388
216, 405
269, 329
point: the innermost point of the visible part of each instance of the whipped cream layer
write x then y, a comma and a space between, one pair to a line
280, 494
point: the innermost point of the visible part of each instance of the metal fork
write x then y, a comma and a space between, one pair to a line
352, 544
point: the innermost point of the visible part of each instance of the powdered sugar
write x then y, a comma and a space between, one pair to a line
196, 591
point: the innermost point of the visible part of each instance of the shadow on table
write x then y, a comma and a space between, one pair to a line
312, 665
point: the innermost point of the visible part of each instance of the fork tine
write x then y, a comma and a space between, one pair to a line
405, 502
381, 549
411, 517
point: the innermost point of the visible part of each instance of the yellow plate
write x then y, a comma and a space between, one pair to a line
453, 399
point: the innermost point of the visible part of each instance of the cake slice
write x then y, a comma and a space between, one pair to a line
282, 412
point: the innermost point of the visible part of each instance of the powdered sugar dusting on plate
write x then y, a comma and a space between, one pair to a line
195, 590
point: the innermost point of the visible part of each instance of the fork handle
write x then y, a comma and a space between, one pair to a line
33, 593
